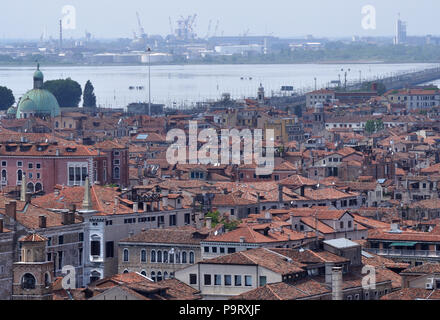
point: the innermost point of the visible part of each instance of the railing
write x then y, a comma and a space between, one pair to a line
404, 253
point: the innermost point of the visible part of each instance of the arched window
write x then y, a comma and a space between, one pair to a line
126, 255
4, 175
159, 276
117, 173
144, 273
57, 124
184, 257
177, 257
28, 281
19, 175
38, 187
143, 255
171, 257
165, 275
159, 256
153, 276
30, 187
125, 271
153, 256
165, 256
191, 257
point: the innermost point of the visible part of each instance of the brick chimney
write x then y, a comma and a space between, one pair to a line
11, 209
42, 222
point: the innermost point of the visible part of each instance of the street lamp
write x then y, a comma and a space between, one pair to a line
149, 81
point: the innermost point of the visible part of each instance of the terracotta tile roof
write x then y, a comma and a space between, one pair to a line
426, 268
262, 257
308, 256
182, 235
250, 235
377, 234
412, 294
286, 291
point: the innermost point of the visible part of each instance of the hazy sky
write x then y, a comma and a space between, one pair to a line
116, 18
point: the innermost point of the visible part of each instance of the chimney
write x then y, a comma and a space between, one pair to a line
1, 225
87, 201
11, 210
280, 193
23, 187
28, 197
242, 239
72, 210
65, 216
42, 222
208, 223
135, 207
57, 152
336, 283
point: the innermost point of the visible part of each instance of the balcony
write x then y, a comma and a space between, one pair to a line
404, 253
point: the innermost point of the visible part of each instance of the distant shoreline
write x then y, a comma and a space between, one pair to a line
52, 64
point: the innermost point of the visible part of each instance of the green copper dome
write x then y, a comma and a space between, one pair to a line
38, 102
27, 105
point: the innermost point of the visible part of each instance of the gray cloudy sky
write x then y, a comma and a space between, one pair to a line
117, 18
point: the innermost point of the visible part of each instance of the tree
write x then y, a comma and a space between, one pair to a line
7, 99
68, 92
379, 125
370, 126
89, 98
217, 218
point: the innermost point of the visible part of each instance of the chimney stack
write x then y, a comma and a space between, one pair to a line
280, 193
242, 239
72, 210
336, 283
65, 216
28, 197
11, 210
42, 222
208, 223
135, 207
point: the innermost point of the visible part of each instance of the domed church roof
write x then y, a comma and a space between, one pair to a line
38, 102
